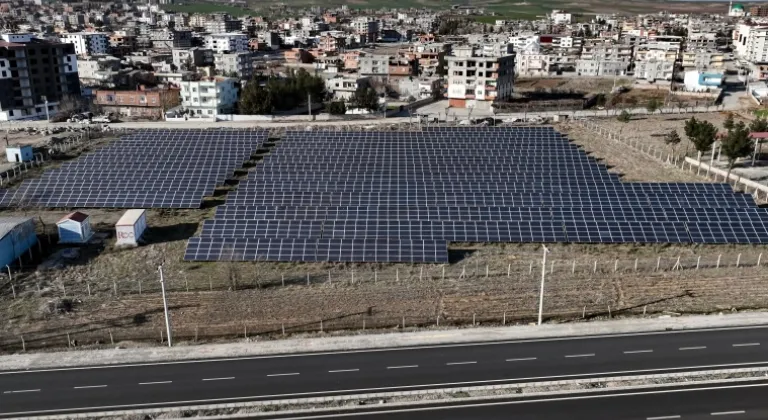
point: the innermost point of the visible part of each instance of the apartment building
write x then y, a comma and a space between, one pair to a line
476, 80
601, 68
137, 103
209, 97
218, 23
170, 38
375, 63
227, 42
751, 42
703, 60
343, 88
34, 74
653, 70
87, 43
332, 43
367, 28
237, 65
186, 59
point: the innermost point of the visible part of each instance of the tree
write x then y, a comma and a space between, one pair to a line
672, 139
255, 99
624, 117
366, 98
701, 133
337, 108
758, 125
653, 105
737, 144
729, 123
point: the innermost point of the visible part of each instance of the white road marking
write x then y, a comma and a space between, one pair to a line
416, 347
676, 416
637, 351
21, 391
343, 370
402, 367
746, 344
219, 379
580, 355
90, 386
155, 383
727, 413
521, 359
460, 363
446, 384
692, 348
284, 374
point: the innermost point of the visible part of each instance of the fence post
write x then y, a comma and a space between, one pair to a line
738, 260
353, 278
473, 319
573, 266
321, 325
139, 286
111, 338
658, 263
114, 285
551, 267
210, 284
609, 311
698, 261
615, 265
23, 344
375, 275
196, 328
397, 275
509, 269
530, 268
437, 321
403, 322
504, 318
421, 272
69, 341
329, 276
486, 271
584, 312
594, 267
635, 264
718, 261
759, 257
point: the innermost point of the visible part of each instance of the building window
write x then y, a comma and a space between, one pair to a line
10, 113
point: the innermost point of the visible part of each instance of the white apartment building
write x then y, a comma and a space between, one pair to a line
475, 80
344, 87
227, 42
751, 42
234, 64
87, 43
561, 17
367, 27
653, 70
209, 97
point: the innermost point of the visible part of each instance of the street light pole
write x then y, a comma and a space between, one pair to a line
165, 306
543, 273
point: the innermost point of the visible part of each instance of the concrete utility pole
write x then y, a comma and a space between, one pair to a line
165, 306
543, 274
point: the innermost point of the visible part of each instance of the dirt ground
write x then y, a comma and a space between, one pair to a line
565, 84
108, 294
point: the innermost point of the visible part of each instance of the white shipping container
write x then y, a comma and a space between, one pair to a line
131, 226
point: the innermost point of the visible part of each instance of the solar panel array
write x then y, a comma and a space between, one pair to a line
146, 169
402, 196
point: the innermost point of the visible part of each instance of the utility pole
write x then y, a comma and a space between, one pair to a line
543, 273
309, 105
165, 306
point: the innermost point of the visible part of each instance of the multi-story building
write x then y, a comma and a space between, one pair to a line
751, 42
367, 28
187, 59
170, 38
476, 80
87, 43
220, 23
239, 65
653, 70
227, 42
560, 17
332, 43
758, 11
374, 63
137, 103
601, 68
344, 87
35, 74
703, 60
209, 97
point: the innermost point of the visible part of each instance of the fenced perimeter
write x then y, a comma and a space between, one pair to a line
397, 297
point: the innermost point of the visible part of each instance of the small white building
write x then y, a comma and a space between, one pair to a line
19, 153
227, 42
75, 228
130, 227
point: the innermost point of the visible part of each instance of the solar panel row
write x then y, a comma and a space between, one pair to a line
147, 169
523, 184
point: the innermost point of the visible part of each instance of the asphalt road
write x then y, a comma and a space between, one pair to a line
291, 376
739, 401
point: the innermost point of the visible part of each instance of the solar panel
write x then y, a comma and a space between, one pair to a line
382, 196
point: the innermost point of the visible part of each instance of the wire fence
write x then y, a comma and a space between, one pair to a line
577, 289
